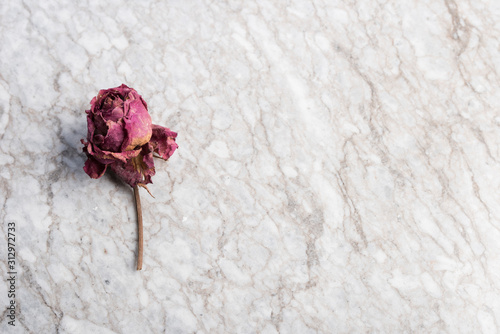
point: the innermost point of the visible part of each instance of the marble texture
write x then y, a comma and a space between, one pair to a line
338, 169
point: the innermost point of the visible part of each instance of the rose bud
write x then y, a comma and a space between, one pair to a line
121, 135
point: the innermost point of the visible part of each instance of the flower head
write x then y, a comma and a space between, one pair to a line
122, 136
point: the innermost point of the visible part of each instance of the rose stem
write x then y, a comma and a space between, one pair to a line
139, 226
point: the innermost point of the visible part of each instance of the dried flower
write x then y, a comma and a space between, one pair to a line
122, 137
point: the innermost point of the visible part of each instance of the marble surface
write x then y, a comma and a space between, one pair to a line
338, 170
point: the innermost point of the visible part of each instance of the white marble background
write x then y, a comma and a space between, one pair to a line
338, 170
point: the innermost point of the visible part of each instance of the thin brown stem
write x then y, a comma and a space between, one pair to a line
139, 226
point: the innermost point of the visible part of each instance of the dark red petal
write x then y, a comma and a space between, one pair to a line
116, 113
163, 141
98, 140
94, 168
99, 124
114, 139
137, 124
136, 170
107, 157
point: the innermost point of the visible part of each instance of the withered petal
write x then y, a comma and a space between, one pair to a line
137, 170
94, 168
163, 141
137, 124
114, 139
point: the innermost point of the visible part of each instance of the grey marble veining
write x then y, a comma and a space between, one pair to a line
338, 169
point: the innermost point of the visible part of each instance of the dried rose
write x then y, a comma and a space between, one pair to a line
121, 136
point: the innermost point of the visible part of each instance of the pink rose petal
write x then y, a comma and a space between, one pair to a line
163, 141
